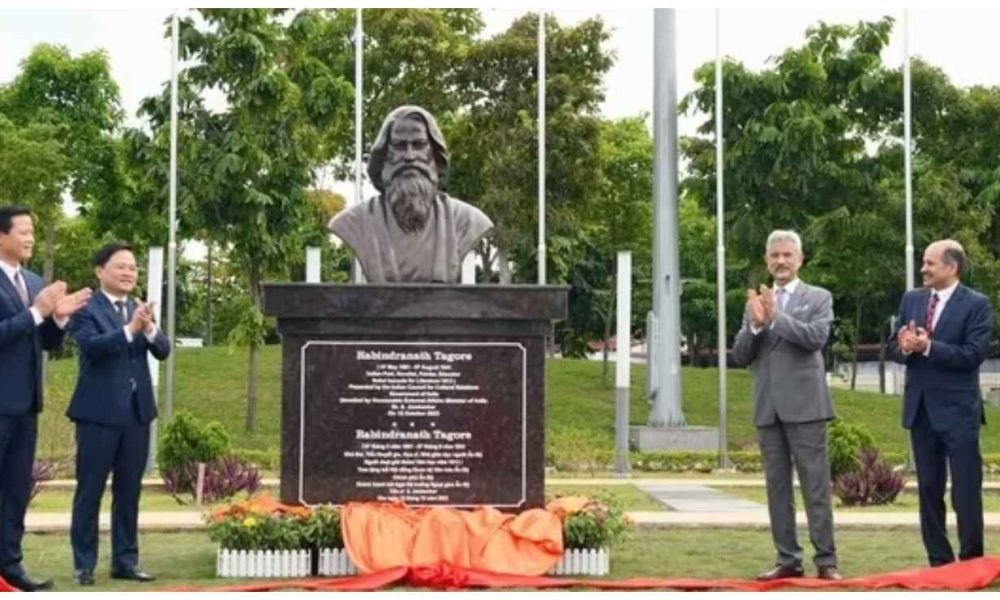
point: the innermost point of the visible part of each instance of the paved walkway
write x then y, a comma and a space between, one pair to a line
691, 503
696, 498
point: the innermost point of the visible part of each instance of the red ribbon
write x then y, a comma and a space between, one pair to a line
958, 576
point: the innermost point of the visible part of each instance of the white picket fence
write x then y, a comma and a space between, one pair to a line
584, 561
263, 563
335, 562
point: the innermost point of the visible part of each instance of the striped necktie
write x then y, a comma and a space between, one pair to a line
22, 290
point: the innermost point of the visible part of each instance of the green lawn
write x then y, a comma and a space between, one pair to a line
630, 497
189, 558
211, 383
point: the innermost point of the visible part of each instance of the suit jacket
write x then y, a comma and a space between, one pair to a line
787, 359
21, 345
109, 365
947, 380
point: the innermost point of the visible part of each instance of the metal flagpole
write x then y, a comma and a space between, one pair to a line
720, 249
908, 167
154, 295
168, 408
359, 81
541, 148
908, 152
664, 347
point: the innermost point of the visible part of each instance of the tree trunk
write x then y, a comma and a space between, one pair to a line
881, 360
253, 359
484, 257
857, 341
503, 266
208, 296
607, 323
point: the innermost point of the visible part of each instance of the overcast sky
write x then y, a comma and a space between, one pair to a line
963, 42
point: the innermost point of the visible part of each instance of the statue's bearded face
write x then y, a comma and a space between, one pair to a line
410, 174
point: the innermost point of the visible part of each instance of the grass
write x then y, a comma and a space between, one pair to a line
211, 383
905, 502
630, 497
189, 558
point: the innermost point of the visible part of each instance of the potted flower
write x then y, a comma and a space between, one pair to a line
590, 530
260, 537
324, 535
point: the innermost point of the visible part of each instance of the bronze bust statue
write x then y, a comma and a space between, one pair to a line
412, 231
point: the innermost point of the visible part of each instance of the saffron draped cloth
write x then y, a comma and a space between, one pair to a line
380, 536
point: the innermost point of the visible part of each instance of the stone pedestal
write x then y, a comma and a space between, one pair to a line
432, 394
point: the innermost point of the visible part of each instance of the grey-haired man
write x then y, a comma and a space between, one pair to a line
784, 330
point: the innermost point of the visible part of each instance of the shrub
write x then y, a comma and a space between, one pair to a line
224, 478
187, 441
875, 482
600, 524
846, 441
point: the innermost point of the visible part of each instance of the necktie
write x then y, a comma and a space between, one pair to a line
120, 307
22, 290
931, 309
782, 296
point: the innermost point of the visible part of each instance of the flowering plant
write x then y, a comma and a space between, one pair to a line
598, 523
265, 524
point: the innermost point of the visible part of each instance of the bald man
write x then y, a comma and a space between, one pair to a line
946, 330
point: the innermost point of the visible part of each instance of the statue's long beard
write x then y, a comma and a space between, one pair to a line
411, 196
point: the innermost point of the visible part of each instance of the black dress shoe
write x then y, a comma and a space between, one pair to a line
26, 584
83, 577
782, 572
133, 574
830, 572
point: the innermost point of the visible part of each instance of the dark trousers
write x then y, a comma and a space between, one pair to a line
100, 450
935, 451
18, 436
805, 446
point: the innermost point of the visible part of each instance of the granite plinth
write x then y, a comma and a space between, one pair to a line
432, 394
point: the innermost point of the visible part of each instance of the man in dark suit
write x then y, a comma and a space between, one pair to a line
112, 407
946, 333
32, 318
782, 338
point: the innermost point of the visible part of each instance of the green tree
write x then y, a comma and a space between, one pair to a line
494, 140
252, 161
32, 165
78, 98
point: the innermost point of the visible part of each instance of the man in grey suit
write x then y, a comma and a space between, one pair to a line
782, 338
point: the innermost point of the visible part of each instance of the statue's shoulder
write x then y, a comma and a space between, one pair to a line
349, 222
466, 214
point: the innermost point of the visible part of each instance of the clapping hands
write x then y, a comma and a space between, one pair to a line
143, 318
762, 306
54, 301
913, 339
